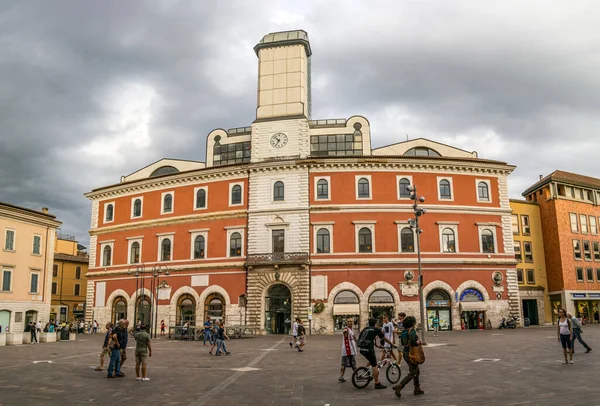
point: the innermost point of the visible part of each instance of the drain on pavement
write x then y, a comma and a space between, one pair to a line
245, 369
487, 360
43, 362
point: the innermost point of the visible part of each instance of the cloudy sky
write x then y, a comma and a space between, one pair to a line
90, 91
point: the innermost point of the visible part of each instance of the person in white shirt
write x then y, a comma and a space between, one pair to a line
388, 330
348, 350
38, 326
294, 333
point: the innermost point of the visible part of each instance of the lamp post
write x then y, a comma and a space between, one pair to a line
138, 271
156, 271
414, 224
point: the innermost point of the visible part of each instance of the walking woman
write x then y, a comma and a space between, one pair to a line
565, 335
409, 338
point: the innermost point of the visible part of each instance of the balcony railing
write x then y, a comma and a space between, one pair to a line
277, 258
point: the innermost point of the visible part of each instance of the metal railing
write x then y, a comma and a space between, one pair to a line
278, 258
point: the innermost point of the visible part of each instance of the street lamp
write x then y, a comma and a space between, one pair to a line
414, 224
139, 272
156, 271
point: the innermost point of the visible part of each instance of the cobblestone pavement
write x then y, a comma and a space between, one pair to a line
529, 372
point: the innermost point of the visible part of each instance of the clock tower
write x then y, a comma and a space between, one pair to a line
283, 102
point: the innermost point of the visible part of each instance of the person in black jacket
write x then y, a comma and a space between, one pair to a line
122, 336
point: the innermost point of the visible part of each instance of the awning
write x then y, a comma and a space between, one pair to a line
381, 305
468, 306
346, 309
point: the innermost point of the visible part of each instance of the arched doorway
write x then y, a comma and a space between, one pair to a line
345, 306
119, 310
186, 310
278, 309
143, 309
4, 321
438, 305
31, 316
381, 302
473, 307
214, 307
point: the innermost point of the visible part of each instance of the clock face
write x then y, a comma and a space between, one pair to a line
279, 140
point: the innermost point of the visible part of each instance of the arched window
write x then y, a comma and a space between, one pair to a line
421, 151
346, 297
168, 203
119, 310
438, 294
214, 307
448, 240
483, 191
278, 191
106, 256
137, 208
201, 199
164, 170
135, 253
381, 296
165, 250
235, 245
403, 186
322, 189
471, 295
236, 194
407, 240
109, 212
365, 243
199, 247
143, 310
487, 241
363, 188
323, 241
186, 310
445, 192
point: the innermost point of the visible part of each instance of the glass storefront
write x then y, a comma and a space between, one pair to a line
587, 310
473, 307
345, 306
381, 303
438, 305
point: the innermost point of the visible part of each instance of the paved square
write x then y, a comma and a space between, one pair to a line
265, 371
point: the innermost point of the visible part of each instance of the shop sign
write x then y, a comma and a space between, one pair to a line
594, 295
578, 295
310, 313
438, 303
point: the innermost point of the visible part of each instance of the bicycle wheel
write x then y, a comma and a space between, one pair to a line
361, 378
393, 373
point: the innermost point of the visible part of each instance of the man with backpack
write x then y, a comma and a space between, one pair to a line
366, 344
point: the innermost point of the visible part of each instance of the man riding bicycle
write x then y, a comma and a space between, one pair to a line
367, 348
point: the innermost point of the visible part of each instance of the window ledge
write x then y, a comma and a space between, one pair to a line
7, 250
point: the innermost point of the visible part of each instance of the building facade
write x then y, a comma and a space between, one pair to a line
570, 214
531, 262
26, 256
293, 217
69, 281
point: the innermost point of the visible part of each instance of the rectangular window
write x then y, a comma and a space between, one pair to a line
37, 244
6, 276
55, 270
9, 243
76, 290
530, 277
596, 246
34, 283
520, 276
590, 274
572, 192
587, 251
518, 254
584, 225
278, 240
598, 275
78, 272
515, 224
593, 225
577, 249
579, 274
574, 223
525, 225
528, 251
54, 286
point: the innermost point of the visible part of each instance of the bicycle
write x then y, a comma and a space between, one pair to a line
362, 376
320, 331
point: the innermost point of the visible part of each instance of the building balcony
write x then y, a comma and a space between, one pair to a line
277, 258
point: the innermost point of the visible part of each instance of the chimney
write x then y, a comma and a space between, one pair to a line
541, 177
45, 210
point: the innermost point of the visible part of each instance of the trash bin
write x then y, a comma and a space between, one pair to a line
526, 322
64, 334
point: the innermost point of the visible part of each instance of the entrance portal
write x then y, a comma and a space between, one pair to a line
530, 311
278, 310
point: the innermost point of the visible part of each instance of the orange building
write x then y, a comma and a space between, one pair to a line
570, 215
292, 217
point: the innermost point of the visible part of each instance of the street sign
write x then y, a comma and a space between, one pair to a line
310, 313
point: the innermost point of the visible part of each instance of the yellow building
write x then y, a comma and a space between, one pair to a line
69, 281
531, 267
26, 256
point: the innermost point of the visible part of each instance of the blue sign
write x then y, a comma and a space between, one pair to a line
579, 295
594, 295
471, 292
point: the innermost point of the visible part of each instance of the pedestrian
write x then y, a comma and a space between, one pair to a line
184, 330
408, 339
436, 325
294, 333
81, 327
576, 327
143, 350
33, 330
138, 325
95, 328
38, 327
51, 327
301, 336
366, 344
388, 332
207, 335
162, 327
348, 349
114, 345
565, 335
221, 336
123, 336
105, 349
213, 333
399, 328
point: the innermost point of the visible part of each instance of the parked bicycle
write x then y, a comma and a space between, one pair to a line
319, 331
362, 376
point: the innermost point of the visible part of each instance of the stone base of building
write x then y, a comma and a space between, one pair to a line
47, 337
72, 337
14, 338
2, 339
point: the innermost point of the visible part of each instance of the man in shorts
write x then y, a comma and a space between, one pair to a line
143, 350
348, 349
294, 333
369, 352
388, 330
105, 349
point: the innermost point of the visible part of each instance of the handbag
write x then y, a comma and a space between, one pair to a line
416, 355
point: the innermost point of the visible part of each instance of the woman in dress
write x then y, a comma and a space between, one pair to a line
565, 335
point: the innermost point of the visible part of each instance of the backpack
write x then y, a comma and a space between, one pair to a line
364, 341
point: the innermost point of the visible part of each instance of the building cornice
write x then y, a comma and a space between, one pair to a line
28, 216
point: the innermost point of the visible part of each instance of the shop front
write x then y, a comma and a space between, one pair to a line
555, 304
345, 305
473, 308
438, 305
381, 303
586, 306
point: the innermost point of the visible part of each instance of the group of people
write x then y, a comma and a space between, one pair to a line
115, 346
215, 334
569, 330
404, 327
298, 335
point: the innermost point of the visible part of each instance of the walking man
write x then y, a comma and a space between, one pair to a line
221, 336
576, 325
348, 349
301, 336
207, 336
143, 350
388, 331
121, 333
436, 325
105, 349
294, 333
115, 359
32, 330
